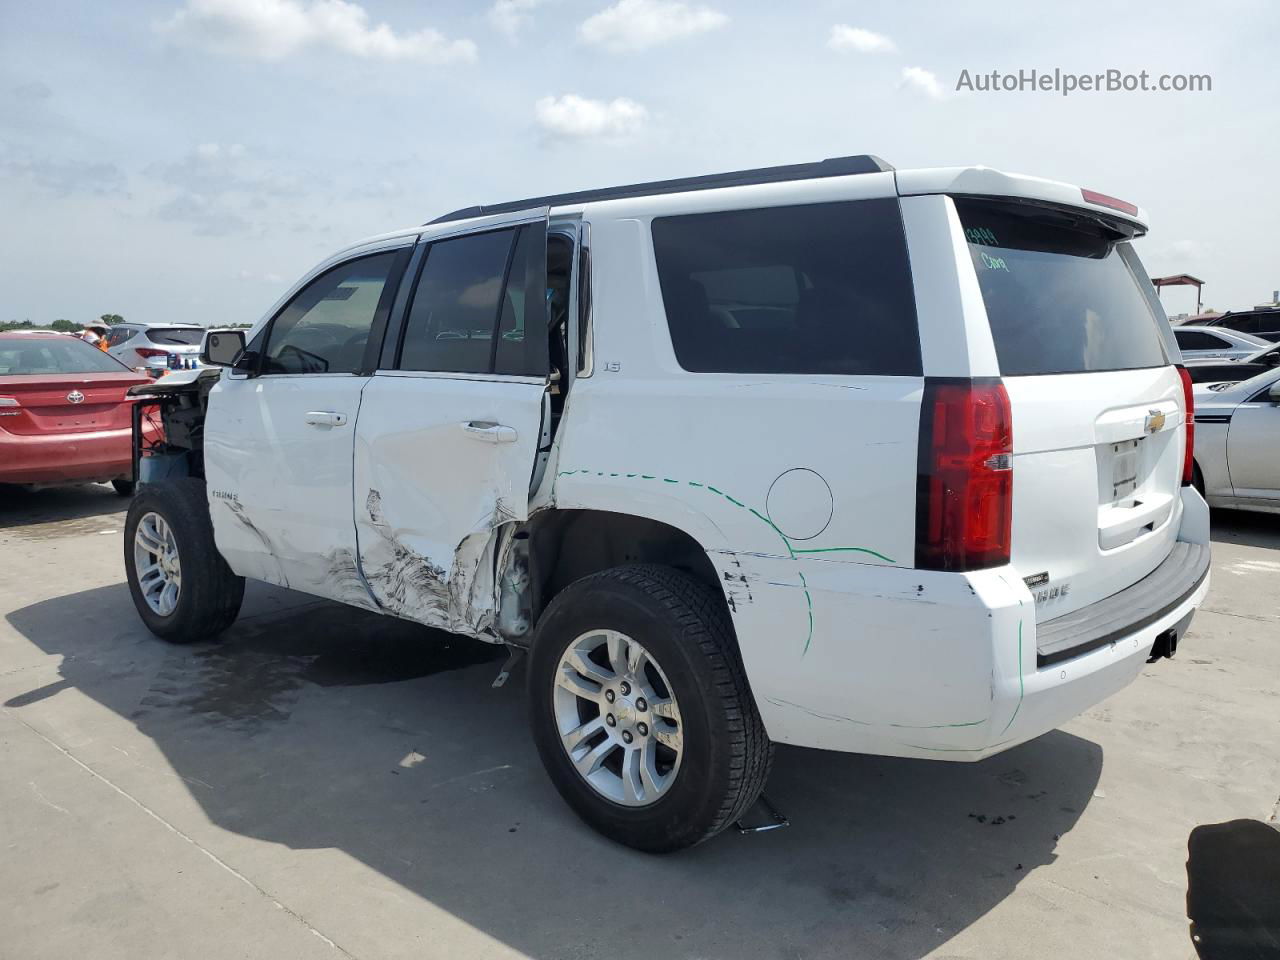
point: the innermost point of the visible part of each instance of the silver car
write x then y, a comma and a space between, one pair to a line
1216, 343
1237, 443
156, 348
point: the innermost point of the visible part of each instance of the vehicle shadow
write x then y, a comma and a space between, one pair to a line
1246, 527
57, 511
323, 726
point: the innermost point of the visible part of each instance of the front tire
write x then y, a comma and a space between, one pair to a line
641, 710
182, 588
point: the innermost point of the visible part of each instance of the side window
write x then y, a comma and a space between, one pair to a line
325, 327
480, 306
119, 335
455, 307
1196, 340
522, 326
812, 289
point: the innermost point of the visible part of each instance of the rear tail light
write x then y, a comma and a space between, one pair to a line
1102, 200
964, 492
1188, 401
148, 353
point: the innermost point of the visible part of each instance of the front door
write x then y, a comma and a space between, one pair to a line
1252, 441
449, 429
279, 442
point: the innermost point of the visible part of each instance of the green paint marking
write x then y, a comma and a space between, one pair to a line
809, 602
937, 726
848, 550
786, 542
1021, 682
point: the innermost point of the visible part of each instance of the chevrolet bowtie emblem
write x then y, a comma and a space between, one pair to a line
1155, 421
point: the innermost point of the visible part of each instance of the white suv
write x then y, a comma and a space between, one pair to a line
895, 462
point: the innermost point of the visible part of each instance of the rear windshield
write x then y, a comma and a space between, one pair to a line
175, 336
33, 357
815, 289
1060, 296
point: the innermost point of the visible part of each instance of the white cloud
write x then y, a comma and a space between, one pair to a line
274, 29
511, 16
924, 81
631, 25
578, 117
846, 38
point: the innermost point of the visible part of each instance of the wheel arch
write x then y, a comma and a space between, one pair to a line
569, 543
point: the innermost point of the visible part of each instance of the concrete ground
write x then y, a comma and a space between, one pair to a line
329, 783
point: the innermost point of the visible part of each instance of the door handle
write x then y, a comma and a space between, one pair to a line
325, 418
489, 431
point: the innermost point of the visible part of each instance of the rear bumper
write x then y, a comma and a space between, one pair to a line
66, 458
911, 663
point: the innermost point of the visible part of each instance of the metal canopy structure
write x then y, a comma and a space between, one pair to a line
1180, 280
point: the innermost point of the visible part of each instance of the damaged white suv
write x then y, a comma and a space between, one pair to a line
894, 462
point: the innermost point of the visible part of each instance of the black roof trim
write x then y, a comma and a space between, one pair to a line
833, 167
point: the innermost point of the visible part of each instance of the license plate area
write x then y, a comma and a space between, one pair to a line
1126, 459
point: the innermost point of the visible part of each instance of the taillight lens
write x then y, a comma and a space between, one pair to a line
1189, 403
149, 352
1102, 200
964, 493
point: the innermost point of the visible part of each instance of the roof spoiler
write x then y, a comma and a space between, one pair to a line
832, 167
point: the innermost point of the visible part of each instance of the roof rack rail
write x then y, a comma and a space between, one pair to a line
832, 167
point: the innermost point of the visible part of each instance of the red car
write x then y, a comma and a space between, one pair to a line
64, 413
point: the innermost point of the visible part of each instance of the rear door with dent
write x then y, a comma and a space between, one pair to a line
450, 425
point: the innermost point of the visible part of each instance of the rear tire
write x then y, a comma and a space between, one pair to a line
123, 487
661, 616
182, 588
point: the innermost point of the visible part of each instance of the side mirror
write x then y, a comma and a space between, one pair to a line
1274, 392
223, 348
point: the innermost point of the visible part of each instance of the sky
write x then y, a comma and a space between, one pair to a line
187, 160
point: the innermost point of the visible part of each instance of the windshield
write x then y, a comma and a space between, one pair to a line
1059, 294
32, 357
176, 336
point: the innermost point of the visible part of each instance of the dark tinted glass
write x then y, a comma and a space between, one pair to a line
34, 356
172, 336
455, 307
522, 328
813, 289
325, 327
1255, 323
1059, 295
1198, 340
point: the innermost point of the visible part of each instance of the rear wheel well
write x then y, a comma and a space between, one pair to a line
567, 545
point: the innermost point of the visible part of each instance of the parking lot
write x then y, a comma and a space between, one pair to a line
328, 782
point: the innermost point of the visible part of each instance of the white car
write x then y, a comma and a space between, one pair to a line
1237, 451
156, 348
894, 462
1216, 343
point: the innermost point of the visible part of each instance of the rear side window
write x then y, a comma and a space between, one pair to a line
1198, 340
813, 289
175, 336
480, 306
1059, 294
